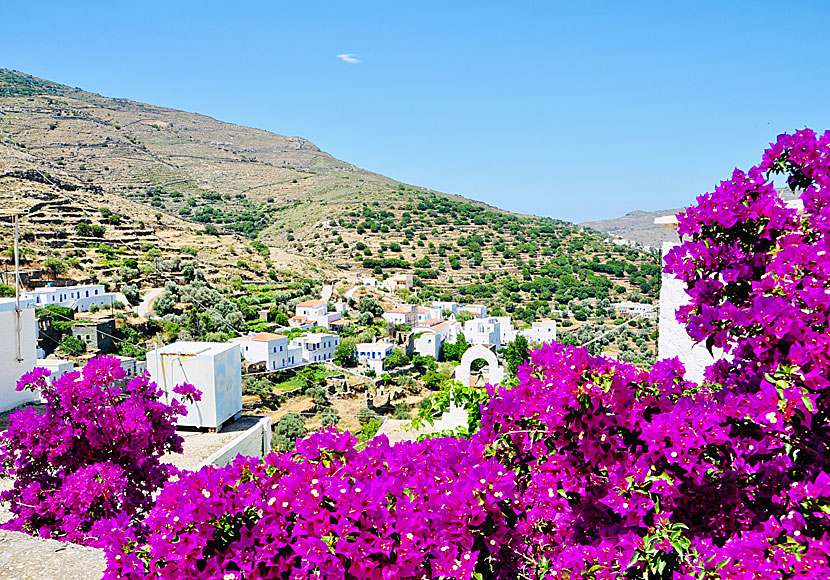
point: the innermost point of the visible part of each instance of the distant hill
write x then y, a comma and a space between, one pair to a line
636, 225
639, 225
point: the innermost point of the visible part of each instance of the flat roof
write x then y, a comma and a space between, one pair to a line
192, 348
10, 304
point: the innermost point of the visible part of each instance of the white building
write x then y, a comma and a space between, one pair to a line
404, 315
425, 313
398, 282
369, 281
448, 331
508, 332
539, 332
313, 313
477, 310
57, 367
315, 348
271, 349
371, 354
78, 298
637, 309
673, 340
450, 307
215, 368
18, 354
428, 343
483, 331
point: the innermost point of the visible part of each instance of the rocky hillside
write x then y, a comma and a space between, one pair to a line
253, 203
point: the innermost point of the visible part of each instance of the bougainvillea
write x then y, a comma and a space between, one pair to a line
435, 509
584, 468
90, 459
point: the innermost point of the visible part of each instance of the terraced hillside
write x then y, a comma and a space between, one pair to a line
253, 203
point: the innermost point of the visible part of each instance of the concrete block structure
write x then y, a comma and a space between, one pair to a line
215, 368
97, 335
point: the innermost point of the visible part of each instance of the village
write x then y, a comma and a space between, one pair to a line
365, 338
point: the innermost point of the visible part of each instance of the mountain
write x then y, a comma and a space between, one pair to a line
637, 226
256, 204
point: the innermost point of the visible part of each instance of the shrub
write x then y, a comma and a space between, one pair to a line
72, 345
90, 461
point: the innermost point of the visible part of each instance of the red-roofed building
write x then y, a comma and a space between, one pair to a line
269, 348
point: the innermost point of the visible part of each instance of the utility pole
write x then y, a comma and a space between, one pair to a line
15, 213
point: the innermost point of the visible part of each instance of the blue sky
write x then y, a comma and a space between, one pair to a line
578, 110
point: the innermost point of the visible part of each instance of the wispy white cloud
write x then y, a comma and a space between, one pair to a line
349, 58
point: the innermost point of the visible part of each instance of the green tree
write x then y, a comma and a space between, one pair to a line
395, 359
329, 417
346, 354
72, 345
319, 395
370, 305
516, 353
289, 428
423, 364
55, 266
365, 414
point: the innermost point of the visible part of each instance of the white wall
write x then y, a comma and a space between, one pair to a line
215, 368
673, 340
428, 344
10, 368
483, 331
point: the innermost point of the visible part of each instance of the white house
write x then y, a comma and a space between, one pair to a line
79, 298
405, 315
483, 331
648, 311
18, 354
312, 308
477, 310
215, 368
369, 281
428, 343
450, 307
540, 332
508, 332
371, 354
57, 367
314, 313
271, 349
425, 313
448, 331
315, 348
398, 282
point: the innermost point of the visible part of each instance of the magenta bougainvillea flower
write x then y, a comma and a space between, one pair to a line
584, 468
91, 458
